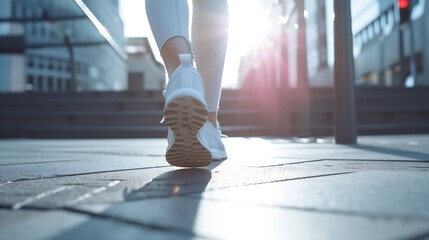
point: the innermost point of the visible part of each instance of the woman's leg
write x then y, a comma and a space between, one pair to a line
193, 141
185, 109
169, 21
209, 37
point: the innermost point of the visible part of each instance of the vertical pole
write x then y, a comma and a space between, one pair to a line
73, 83
401, 56
284, 86
413, 67
345, 119
284, 126
303, 116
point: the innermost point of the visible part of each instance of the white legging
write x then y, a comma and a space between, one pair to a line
170, 18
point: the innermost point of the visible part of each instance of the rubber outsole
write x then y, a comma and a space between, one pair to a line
185, 116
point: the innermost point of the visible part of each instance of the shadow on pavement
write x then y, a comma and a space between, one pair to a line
392, 151
152, 211
172, 183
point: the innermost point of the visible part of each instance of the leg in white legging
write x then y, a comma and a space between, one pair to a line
169, 23
209, 37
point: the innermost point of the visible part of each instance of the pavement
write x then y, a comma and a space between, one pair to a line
269, 188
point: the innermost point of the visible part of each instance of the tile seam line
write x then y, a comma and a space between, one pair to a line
47, 162
87, 173
341, 160
124, 170
261, 183
278, 181
86, 152
286, 164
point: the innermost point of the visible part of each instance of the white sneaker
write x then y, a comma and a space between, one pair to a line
212, 135
185, 113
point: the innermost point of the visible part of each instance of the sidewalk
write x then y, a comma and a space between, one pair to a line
269, 188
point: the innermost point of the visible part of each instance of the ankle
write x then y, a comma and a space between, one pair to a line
170, 52
212, 118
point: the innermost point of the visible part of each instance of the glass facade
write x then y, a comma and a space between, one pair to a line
91, 29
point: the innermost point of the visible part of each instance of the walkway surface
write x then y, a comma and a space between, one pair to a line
269, 188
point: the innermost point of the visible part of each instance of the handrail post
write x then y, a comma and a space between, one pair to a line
73, 81
344, 79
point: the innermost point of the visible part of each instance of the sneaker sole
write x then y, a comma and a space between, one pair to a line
185, 116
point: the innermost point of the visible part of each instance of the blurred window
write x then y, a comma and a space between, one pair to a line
50, 64
41, 63
30, 62
60, 84
50, 83
40, 81
30, 83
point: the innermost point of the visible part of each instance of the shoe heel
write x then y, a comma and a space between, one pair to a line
185, 116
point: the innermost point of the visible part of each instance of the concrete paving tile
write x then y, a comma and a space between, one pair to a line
139, 184
7, 216
12, 157
69, 190
381, 193
258, 152
407, 147
114, 230
283, 149
22, 159
268, 188
86, 164
418, 142
30, 159
67, 225
174, 182
230, 220
365, 165
24, 197
42, 225
357, 152
131, 147
260, 161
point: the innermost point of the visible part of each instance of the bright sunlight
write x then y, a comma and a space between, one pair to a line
249, 25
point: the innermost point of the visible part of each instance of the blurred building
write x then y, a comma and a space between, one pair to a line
144, 72
376, 29
376, 32
317, 18
91, 29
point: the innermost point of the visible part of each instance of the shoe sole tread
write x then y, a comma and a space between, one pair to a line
185, 116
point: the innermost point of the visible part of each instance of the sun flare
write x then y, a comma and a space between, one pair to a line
249, 25
249, 28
